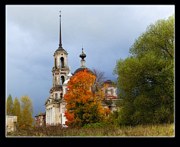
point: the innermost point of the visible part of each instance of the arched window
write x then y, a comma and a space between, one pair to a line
62, 79
62, 62
61, 95
112, 91
56, 95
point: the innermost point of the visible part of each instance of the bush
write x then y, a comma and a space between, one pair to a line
96, 125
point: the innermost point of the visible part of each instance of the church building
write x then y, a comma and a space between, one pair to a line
55, 103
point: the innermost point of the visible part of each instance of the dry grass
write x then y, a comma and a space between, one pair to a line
166, 130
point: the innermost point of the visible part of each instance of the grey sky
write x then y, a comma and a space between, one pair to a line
32, 36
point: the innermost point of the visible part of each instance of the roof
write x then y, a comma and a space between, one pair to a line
108, 82
82, 69
56, 88
62, 50
65, 82
69, 74
40, 114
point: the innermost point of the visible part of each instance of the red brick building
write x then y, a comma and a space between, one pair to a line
40, 119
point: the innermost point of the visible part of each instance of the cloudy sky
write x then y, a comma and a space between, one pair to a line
106, 33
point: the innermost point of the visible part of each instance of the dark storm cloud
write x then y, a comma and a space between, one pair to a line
105, 32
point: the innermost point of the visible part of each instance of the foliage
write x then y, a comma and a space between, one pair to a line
9, 105
159, 38
22, 109
113, 118
83, 106
17, 111
27, 111
146, 79
108, 102
99, 130
96, 125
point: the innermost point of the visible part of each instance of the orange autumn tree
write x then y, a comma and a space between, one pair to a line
83, 105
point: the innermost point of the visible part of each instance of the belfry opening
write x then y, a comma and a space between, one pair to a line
62, 79
62, 62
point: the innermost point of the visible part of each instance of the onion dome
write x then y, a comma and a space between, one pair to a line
83, 67
82, 55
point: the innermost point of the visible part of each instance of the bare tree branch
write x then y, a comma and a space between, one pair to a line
100, 78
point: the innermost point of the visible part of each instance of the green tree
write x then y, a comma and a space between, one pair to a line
146, 79
159, 38
9, 105
27, 111
17, 111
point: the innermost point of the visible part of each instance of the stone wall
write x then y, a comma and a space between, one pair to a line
11, 122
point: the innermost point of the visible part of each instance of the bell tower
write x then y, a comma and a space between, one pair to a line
60, 69
60, 73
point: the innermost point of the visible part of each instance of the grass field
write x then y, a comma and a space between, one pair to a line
166, 130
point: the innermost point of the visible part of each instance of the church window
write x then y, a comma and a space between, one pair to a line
106, 91
112, 91
62, 79
62, 62
56, 95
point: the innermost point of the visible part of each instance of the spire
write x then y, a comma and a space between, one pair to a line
60, 48
60, 40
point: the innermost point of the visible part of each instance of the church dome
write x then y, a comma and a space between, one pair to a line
82, 69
